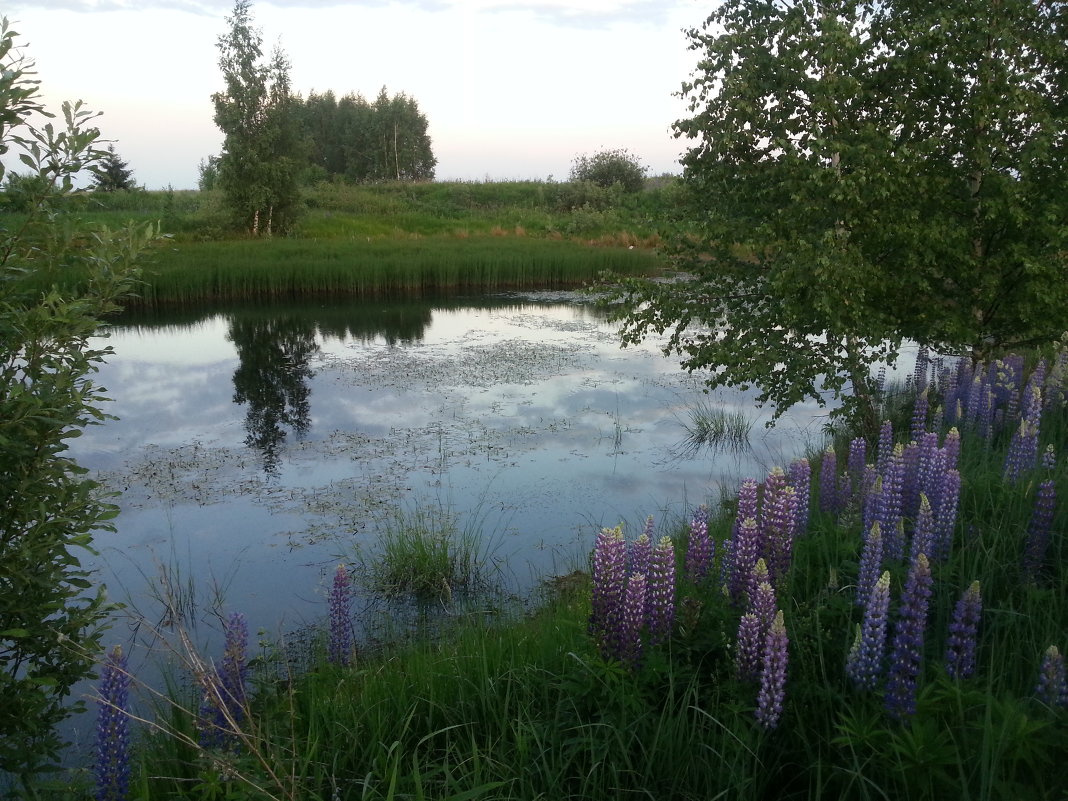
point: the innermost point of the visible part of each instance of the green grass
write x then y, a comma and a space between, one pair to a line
426, 554
386, 240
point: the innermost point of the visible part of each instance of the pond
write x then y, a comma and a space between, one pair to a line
256, 447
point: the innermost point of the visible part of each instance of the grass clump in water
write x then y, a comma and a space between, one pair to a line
426, 554
715, 427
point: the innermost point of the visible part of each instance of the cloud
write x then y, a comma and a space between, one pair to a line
566, 13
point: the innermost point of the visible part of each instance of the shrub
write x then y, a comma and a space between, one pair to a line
609, 167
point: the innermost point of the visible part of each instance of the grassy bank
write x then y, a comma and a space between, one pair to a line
388, 240
571, 702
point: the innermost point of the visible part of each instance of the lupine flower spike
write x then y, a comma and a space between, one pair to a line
340, 646
963, 631
112, 768
773, 674
700, 549
865, 662
660, 603
609, 575
907, 654
1052, 688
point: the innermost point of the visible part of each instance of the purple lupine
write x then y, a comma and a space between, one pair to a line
1049, 458
780, 510
938, 418
864, 664
700, 549
889, 513
1038, 530
886, 447
923, 531
773, 674
1055, 380
629, 643
920, 408
800, 478
1023, 449
762, 600
946, 514
609, 577
871, 562
963, 632
749, 647
929, 468
873, 502
987, 406
1052, 688
111, 767
661, 592
906, 656
880, 381
745, 551
857, 461
829, 482
747, 502
951, 446
339, 649
224, 699
641, 551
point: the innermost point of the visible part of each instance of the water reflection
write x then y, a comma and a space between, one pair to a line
271, 378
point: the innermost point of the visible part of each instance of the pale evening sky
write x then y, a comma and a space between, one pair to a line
512, 89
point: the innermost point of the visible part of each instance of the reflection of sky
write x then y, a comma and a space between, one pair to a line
587, 436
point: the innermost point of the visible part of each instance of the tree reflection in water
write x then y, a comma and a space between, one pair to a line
271, 378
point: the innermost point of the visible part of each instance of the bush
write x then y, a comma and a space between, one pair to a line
609, 167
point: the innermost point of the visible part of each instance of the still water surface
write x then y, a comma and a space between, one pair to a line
256, 447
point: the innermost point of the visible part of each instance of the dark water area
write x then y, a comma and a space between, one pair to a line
255, 447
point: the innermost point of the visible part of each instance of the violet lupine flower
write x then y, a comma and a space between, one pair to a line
906, 656
946, 514
223, 702
880, 381
1052, 688
886, 447
700, 549
910, 481
929, 469
747, 502
745, 550
920, 408
112, 764
858, 456
1038, 531
923, 532
1049, 458
800, 478
951, 446
987, 407
871, 562
661, 591
762, 600
938, 418
339, 649
864, 664
963, 632
1023, 449
779, 513
609, 577
975, 398
889, 513
630, 634
829, 482
641, 551
773, 674
873, 501
749, 647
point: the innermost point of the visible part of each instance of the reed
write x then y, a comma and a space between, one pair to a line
292, 268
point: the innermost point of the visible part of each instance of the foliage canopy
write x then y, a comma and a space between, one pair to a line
50, 613
861, 173
257, 169
609, 167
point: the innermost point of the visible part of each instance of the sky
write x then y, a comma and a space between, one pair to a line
512, 89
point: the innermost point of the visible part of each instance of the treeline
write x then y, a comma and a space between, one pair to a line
359, 141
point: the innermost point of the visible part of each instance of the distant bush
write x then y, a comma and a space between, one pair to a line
609, 167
